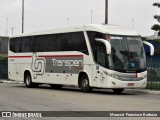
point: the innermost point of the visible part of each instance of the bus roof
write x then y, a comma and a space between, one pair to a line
106, 29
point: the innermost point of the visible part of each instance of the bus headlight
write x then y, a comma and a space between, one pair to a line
144, 83
114, 76
111, 75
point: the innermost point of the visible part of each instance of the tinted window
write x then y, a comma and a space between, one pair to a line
101, 56
12, 44
37, 43
26, 44
72, 42
15, 45
92, 36
47, 43
78, 42
50, 43
98, 48
63, 42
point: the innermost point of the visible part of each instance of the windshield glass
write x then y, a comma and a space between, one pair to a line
127, 53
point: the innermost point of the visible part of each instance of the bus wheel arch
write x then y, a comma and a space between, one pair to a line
83, 82
28, 80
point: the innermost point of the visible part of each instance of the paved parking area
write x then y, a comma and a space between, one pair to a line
16, 97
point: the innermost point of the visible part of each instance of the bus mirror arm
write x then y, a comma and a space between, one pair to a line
107, 44
151, 47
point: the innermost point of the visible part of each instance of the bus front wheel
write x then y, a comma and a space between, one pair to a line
84, 84
118, 91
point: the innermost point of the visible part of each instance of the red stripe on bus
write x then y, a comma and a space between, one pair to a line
136, 75
61, 56
47, 56
19, 56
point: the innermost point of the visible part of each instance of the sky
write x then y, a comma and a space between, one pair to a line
49, 14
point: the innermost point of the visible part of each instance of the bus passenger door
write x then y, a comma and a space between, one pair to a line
100, 76
102, 63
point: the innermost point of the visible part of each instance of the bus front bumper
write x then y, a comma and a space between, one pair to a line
116, 83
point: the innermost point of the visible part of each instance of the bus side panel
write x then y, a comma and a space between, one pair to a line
68, 79
12, 71
18, 64
22, 65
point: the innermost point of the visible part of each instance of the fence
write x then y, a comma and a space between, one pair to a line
153, 66
4, 69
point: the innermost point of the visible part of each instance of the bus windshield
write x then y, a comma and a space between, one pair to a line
127, 53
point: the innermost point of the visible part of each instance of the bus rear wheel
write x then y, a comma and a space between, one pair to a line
84, 84
28, 80
118, 91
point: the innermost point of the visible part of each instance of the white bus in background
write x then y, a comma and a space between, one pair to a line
89, 56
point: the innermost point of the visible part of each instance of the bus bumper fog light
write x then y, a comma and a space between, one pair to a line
144, 83
113, 83
114, 76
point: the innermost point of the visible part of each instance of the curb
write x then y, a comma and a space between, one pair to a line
146, 91
10, 82
151, 91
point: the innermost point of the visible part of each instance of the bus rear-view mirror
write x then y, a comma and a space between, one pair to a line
107, 44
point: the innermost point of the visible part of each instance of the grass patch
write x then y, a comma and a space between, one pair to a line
153, 85
3, 57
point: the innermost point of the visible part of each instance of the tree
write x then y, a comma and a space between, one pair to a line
156, 27
157, 17
156, 4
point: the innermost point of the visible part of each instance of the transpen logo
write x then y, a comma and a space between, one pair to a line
38, 65
69, 63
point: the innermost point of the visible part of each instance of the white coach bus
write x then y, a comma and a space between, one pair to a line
89, 56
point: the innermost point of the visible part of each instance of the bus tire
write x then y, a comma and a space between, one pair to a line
28, 80
54, 86
118, 91
84, 84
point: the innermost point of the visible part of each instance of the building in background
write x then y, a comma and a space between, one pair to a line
3, 57
4, 45
154, 36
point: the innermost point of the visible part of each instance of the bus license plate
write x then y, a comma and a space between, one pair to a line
130, 84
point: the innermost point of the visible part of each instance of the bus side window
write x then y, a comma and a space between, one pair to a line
37, 44
18, 45
98, 48
26, 44
79, 43
50, 43
12, 44
62, 42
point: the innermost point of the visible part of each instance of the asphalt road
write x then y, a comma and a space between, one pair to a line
16, 97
